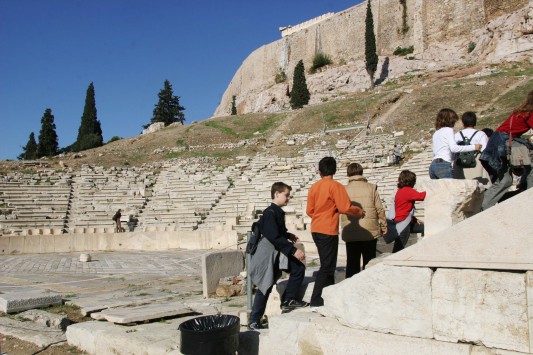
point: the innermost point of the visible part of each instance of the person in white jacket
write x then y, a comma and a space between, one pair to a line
444, 145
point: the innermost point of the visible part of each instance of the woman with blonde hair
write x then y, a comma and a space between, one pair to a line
495, 156
444, 145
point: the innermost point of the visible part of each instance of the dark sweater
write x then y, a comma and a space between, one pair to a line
274, 229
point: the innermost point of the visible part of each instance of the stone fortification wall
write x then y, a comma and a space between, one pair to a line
285, 31
495, 8
428, 23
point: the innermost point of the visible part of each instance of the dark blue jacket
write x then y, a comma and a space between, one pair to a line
274, 229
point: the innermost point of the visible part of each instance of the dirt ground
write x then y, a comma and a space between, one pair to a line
14, 346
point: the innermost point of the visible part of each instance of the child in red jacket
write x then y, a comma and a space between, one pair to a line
404, 204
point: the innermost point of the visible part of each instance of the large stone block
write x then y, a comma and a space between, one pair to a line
21, 301
529, 290
448, 202
218, 265
476, 306
386, 299
308, 333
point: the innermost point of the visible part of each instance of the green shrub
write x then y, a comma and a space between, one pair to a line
471, 47
403, 51
281, 77
320, 60
114, 138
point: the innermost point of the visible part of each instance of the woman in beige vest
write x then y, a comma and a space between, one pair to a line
360, 235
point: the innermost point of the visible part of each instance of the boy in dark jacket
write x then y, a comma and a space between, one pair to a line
276, 252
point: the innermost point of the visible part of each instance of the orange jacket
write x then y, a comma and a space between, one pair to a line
325, 200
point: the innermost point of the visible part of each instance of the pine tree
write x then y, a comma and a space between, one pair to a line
47, 146
371, 56
90, 131
30, 150
233, 106
300, 94
168, 108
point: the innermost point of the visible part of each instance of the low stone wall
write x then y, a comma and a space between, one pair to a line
36, 244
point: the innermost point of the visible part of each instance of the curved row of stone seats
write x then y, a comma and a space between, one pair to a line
99, 193
33, 202
183, 195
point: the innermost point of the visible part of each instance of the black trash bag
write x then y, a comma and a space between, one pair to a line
215, 334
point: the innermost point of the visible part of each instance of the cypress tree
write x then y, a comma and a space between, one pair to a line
300, 94
30, 150
233, 106
168, 108
47, 146
371, 56
90, 131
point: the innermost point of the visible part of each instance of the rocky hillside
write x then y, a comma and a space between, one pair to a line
408, 103
443, 34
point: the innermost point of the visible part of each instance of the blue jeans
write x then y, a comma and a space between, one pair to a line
440, 169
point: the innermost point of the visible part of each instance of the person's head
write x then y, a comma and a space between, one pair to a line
446, 118
527, 105
119, 210
327, 166
406, 178
488, 131
354, 169
280, 193
469, 119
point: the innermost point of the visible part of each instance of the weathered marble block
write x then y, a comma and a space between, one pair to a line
387, 299
477, 306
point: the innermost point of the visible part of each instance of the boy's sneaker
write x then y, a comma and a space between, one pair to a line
255, 326
290, 305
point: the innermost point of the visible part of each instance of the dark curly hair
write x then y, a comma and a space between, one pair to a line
446, 118
406, 178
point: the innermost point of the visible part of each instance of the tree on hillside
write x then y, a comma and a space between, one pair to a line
47, 146
233, 106
371, 56
30, 149
90, 131
300, 94
168, 108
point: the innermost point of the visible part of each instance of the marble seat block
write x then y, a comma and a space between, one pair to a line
385, 299
217, 265
22, 301
479, 306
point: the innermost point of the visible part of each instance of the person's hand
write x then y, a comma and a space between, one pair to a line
478, 147
384, 231
300, 255
293, 238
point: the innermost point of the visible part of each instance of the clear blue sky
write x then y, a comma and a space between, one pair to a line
52, 49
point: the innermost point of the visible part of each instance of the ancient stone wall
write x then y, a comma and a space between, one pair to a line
495, 8
426, 23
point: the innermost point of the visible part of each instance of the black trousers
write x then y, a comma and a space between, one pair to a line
354, 250
401, 241
296, 278
327, 246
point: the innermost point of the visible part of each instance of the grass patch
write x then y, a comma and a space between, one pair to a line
226, 130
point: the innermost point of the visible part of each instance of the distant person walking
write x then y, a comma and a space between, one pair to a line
397, 154
327, 199
473, 136
361, 235
496, 156
444, 145
116, 219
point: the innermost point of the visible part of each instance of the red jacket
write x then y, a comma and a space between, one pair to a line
325, 200
405, 201
517, 124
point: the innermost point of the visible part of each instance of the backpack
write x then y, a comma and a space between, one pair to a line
254, 237
466, 159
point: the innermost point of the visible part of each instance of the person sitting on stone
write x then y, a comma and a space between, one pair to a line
275, 252
360, 235
474, 136
444, 145
495, 156
404, 207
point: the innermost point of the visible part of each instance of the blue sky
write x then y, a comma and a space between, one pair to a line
52, 49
